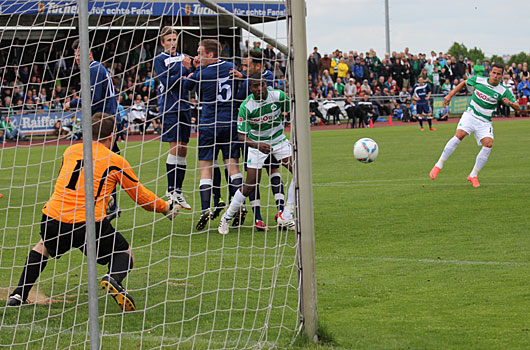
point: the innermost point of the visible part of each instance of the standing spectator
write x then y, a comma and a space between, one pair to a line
478, 69
435, 80
312, 68
269, 55
342, 68
358, 70
316, 55
334, 64
524, 72
324, 64
460, 68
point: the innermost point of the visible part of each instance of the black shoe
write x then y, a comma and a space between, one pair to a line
120, 295
16, 300
218, 209
203, 220
239, 218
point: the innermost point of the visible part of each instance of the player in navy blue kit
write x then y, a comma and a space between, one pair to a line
217, 124
421, 93
171, 68
104, 100
255, 64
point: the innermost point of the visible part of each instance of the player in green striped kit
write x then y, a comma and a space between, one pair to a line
260, 126
488, 93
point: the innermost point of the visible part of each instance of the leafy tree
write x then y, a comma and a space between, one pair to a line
496, 59
475, 54
521, 57
457, 50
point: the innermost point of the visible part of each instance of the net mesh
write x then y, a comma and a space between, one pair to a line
193, 288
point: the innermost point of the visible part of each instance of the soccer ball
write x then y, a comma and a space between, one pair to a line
365, 150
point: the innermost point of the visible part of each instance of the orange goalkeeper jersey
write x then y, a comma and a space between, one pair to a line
67, 203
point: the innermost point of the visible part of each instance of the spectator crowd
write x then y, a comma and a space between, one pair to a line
41, 77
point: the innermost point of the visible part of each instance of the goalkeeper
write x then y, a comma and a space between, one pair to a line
63, 216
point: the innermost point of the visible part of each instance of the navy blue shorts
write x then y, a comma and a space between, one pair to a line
176, 126
423, 108
213, 140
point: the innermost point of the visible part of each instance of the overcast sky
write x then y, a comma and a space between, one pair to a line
497, 27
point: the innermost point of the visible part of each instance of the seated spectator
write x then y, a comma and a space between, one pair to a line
446, 87
315, 116
332, 109
366, 88
56, 104
10, 131
365, 111
524, 87
153, 116
60, 130
443, 114
413, 112
329, 89
349, 107
137, 113
339, 87
350, 89
326, 78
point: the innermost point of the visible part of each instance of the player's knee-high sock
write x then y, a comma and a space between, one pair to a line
277, 190
180, 173
235, 183
120, 266
171, 163
287, 212
448, 150
255, 203
35, 263
237, 202
430, 122
421, 122
216, 183
481, 160
205, 187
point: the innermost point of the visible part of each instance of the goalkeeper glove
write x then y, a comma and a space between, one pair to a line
172, 209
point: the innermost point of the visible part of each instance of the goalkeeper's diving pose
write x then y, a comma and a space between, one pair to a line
63, 224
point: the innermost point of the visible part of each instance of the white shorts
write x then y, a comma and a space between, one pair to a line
256, 158
470, 124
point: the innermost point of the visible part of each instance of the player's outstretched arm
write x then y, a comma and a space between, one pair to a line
514, 105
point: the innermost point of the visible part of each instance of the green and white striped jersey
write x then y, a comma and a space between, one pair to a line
486, 97
262, 121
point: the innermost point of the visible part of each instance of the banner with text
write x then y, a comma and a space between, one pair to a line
457, 105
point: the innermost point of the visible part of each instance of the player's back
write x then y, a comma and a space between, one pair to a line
102, 88
216, 94
67, 203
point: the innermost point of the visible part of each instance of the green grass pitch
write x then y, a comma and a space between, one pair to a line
403, 262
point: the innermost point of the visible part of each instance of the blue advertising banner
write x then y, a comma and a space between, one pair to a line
40, 123
141, 8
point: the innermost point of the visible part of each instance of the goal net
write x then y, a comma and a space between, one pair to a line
192, 287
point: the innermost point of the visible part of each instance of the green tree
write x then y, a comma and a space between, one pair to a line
457, 50
521, 57
475, 54
496, 59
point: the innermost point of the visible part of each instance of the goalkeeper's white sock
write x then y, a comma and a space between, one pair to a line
482, 158
237, 202
448, 150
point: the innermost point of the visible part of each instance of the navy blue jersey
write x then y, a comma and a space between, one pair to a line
101, 90
244, 90
170, 71
421, 92
215, 87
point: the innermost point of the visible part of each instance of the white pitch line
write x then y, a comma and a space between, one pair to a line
386, 183
427, 261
